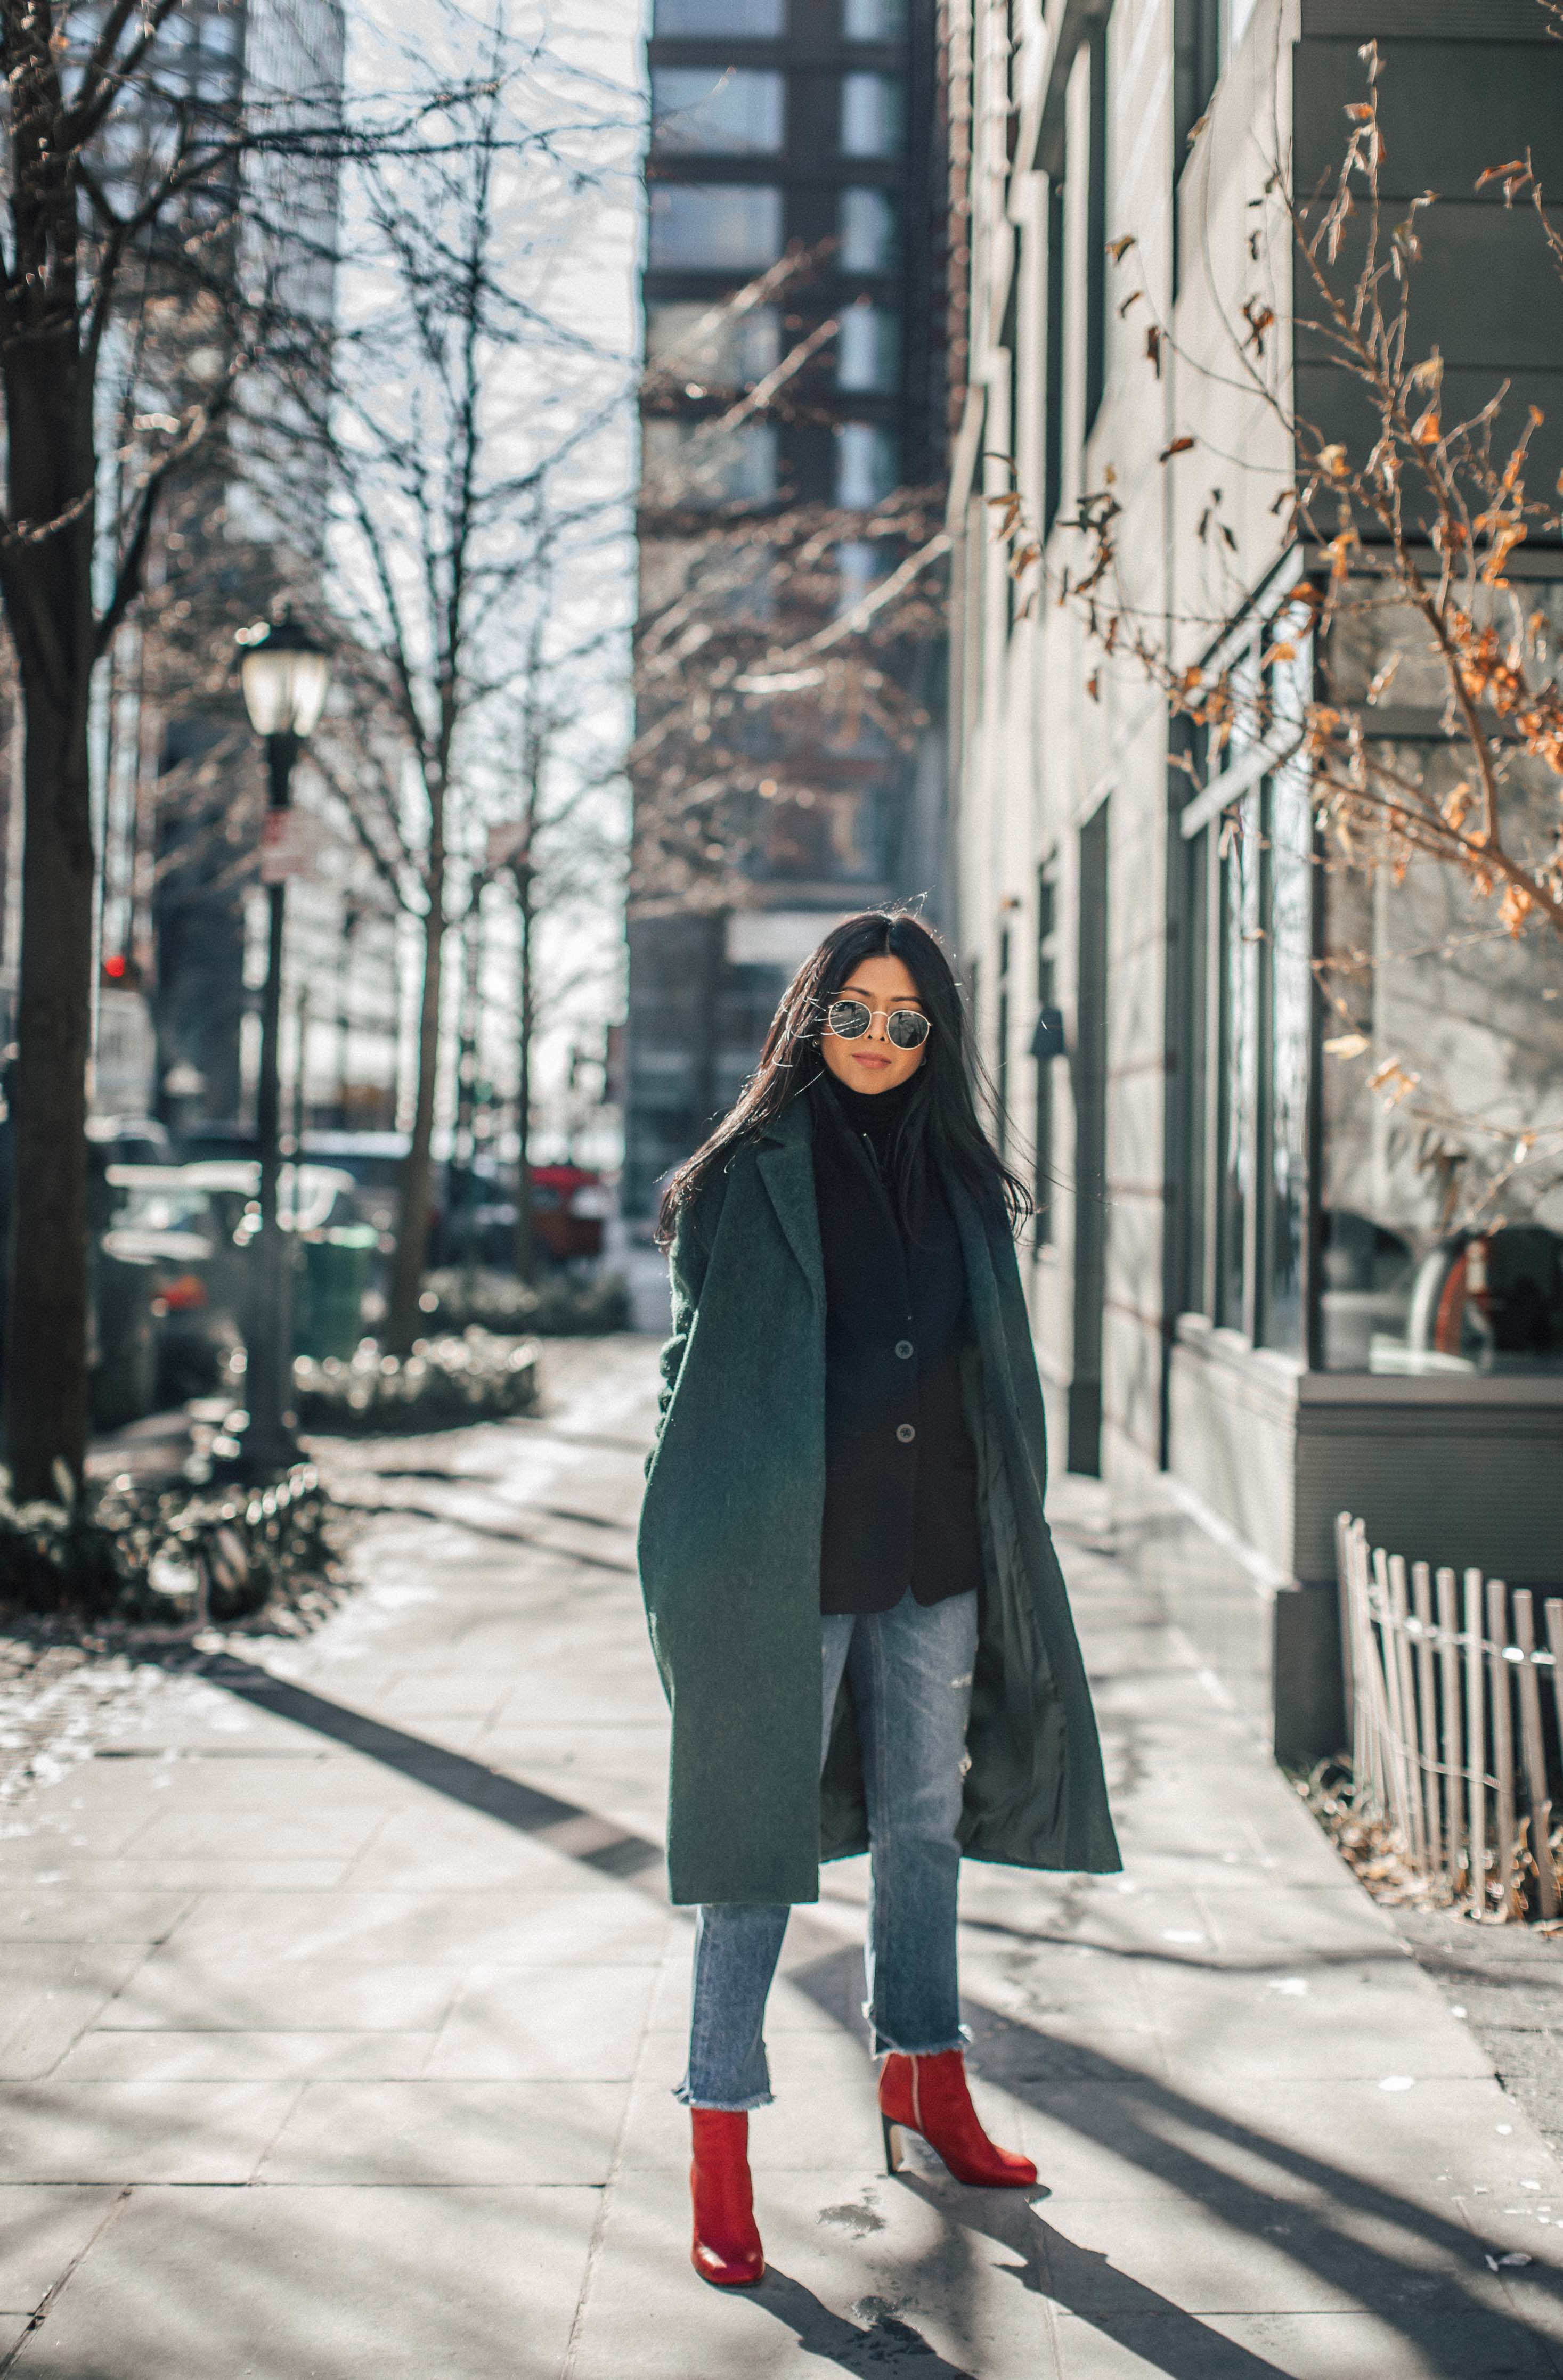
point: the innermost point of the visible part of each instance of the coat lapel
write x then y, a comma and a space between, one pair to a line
786, 1161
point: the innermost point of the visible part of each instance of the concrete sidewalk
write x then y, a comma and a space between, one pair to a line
344, 2001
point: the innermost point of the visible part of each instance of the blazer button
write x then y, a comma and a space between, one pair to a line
905, 1432
903, 1348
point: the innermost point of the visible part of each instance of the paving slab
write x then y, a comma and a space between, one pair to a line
43, 2228
429, 2131
330, 2283
216, 2055
545, 2023
52, 1992
138, 2131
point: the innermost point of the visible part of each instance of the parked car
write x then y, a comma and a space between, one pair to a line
131, 1140
166, 1253
570, 1205
175, 1276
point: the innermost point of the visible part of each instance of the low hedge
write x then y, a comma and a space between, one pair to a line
555, 1309
166, 1554
444, 1383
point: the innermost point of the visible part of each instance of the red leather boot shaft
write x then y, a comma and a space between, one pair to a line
726, 2250
930, 2096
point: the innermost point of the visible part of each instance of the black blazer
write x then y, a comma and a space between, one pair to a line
900, 1486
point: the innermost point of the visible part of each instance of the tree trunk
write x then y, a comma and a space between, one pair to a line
404, 1322
48, 594
526, 1236
46, 1338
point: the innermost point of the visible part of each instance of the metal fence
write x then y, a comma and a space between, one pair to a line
1456, 1718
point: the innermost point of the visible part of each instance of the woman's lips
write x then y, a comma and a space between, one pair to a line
866, 1058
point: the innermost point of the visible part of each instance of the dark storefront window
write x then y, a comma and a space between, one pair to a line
1239, 922
1247, 1017
1438, 1074
1196, 1076
1286, 955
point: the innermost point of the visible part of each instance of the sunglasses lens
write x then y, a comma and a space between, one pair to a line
906, 1029
847, 1019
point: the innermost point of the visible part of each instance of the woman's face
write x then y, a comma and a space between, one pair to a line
873, 1062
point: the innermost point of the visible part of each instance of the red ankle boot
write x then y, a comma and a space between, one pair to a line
726, 2248
929, 2095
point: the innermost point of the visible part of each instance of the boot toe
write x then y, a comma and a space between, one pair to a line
727, 2271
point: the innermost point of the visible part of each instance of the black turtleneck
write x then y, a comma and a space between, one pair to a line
900, 1505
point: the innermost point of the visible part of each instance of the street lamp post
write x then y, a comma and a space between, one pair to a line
286, 675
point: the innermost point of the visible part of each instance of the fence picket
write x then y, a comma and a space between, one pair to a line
1427, 1713
1475, 1742
1554, 1611
1369, 1678
1343, 1526
1503, 1740
1393, 1729
1448, 1681
1537, 1800
1400, 1652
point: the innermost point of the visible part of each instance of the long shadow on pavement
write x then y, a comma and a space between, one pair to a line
1142, 2121
887, 2345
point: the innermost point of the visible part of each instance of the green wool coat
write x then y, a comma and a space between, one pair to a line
729, 1551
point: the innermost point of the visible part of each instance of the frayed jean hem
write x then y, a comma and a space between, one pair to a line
883, 2048
687, 2098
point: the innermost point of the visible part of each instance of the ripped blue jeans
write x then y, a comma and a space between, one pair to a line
911, 1675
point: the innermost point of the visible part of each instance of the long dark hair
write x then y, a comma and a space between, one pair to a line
942, 1125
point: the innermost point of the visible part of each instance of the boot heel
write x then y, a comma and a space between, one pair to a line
895, 2146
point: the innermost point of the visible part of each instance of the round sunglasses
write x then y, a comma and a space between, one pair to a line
849, 1020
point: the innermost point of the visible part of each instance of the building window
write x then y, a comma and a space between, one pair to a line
730, 353
865, 465
873, 20
1287, 961
1246, 1025
1200, 995
687, 462
1053, 359
873, 115
1196, 69
732, 110
1046, 998
1373, 1068
1441, 1228
870, 235
860, 568
740, 20
1097, 229
868, 349
713, 227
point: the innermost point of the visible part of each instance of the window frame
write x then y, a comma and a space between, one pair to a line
1232, 1287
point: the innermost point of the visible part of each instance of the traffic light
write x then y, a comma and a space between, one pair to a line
121, 973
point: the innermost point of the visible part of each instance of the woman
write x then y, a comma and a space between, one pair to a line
846, 1495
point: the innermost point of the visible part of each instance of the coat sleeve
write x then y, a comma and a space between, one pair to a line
688, 1261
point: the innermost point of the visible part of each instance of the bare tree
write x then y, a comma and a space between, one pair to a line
458, 416
160, 200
